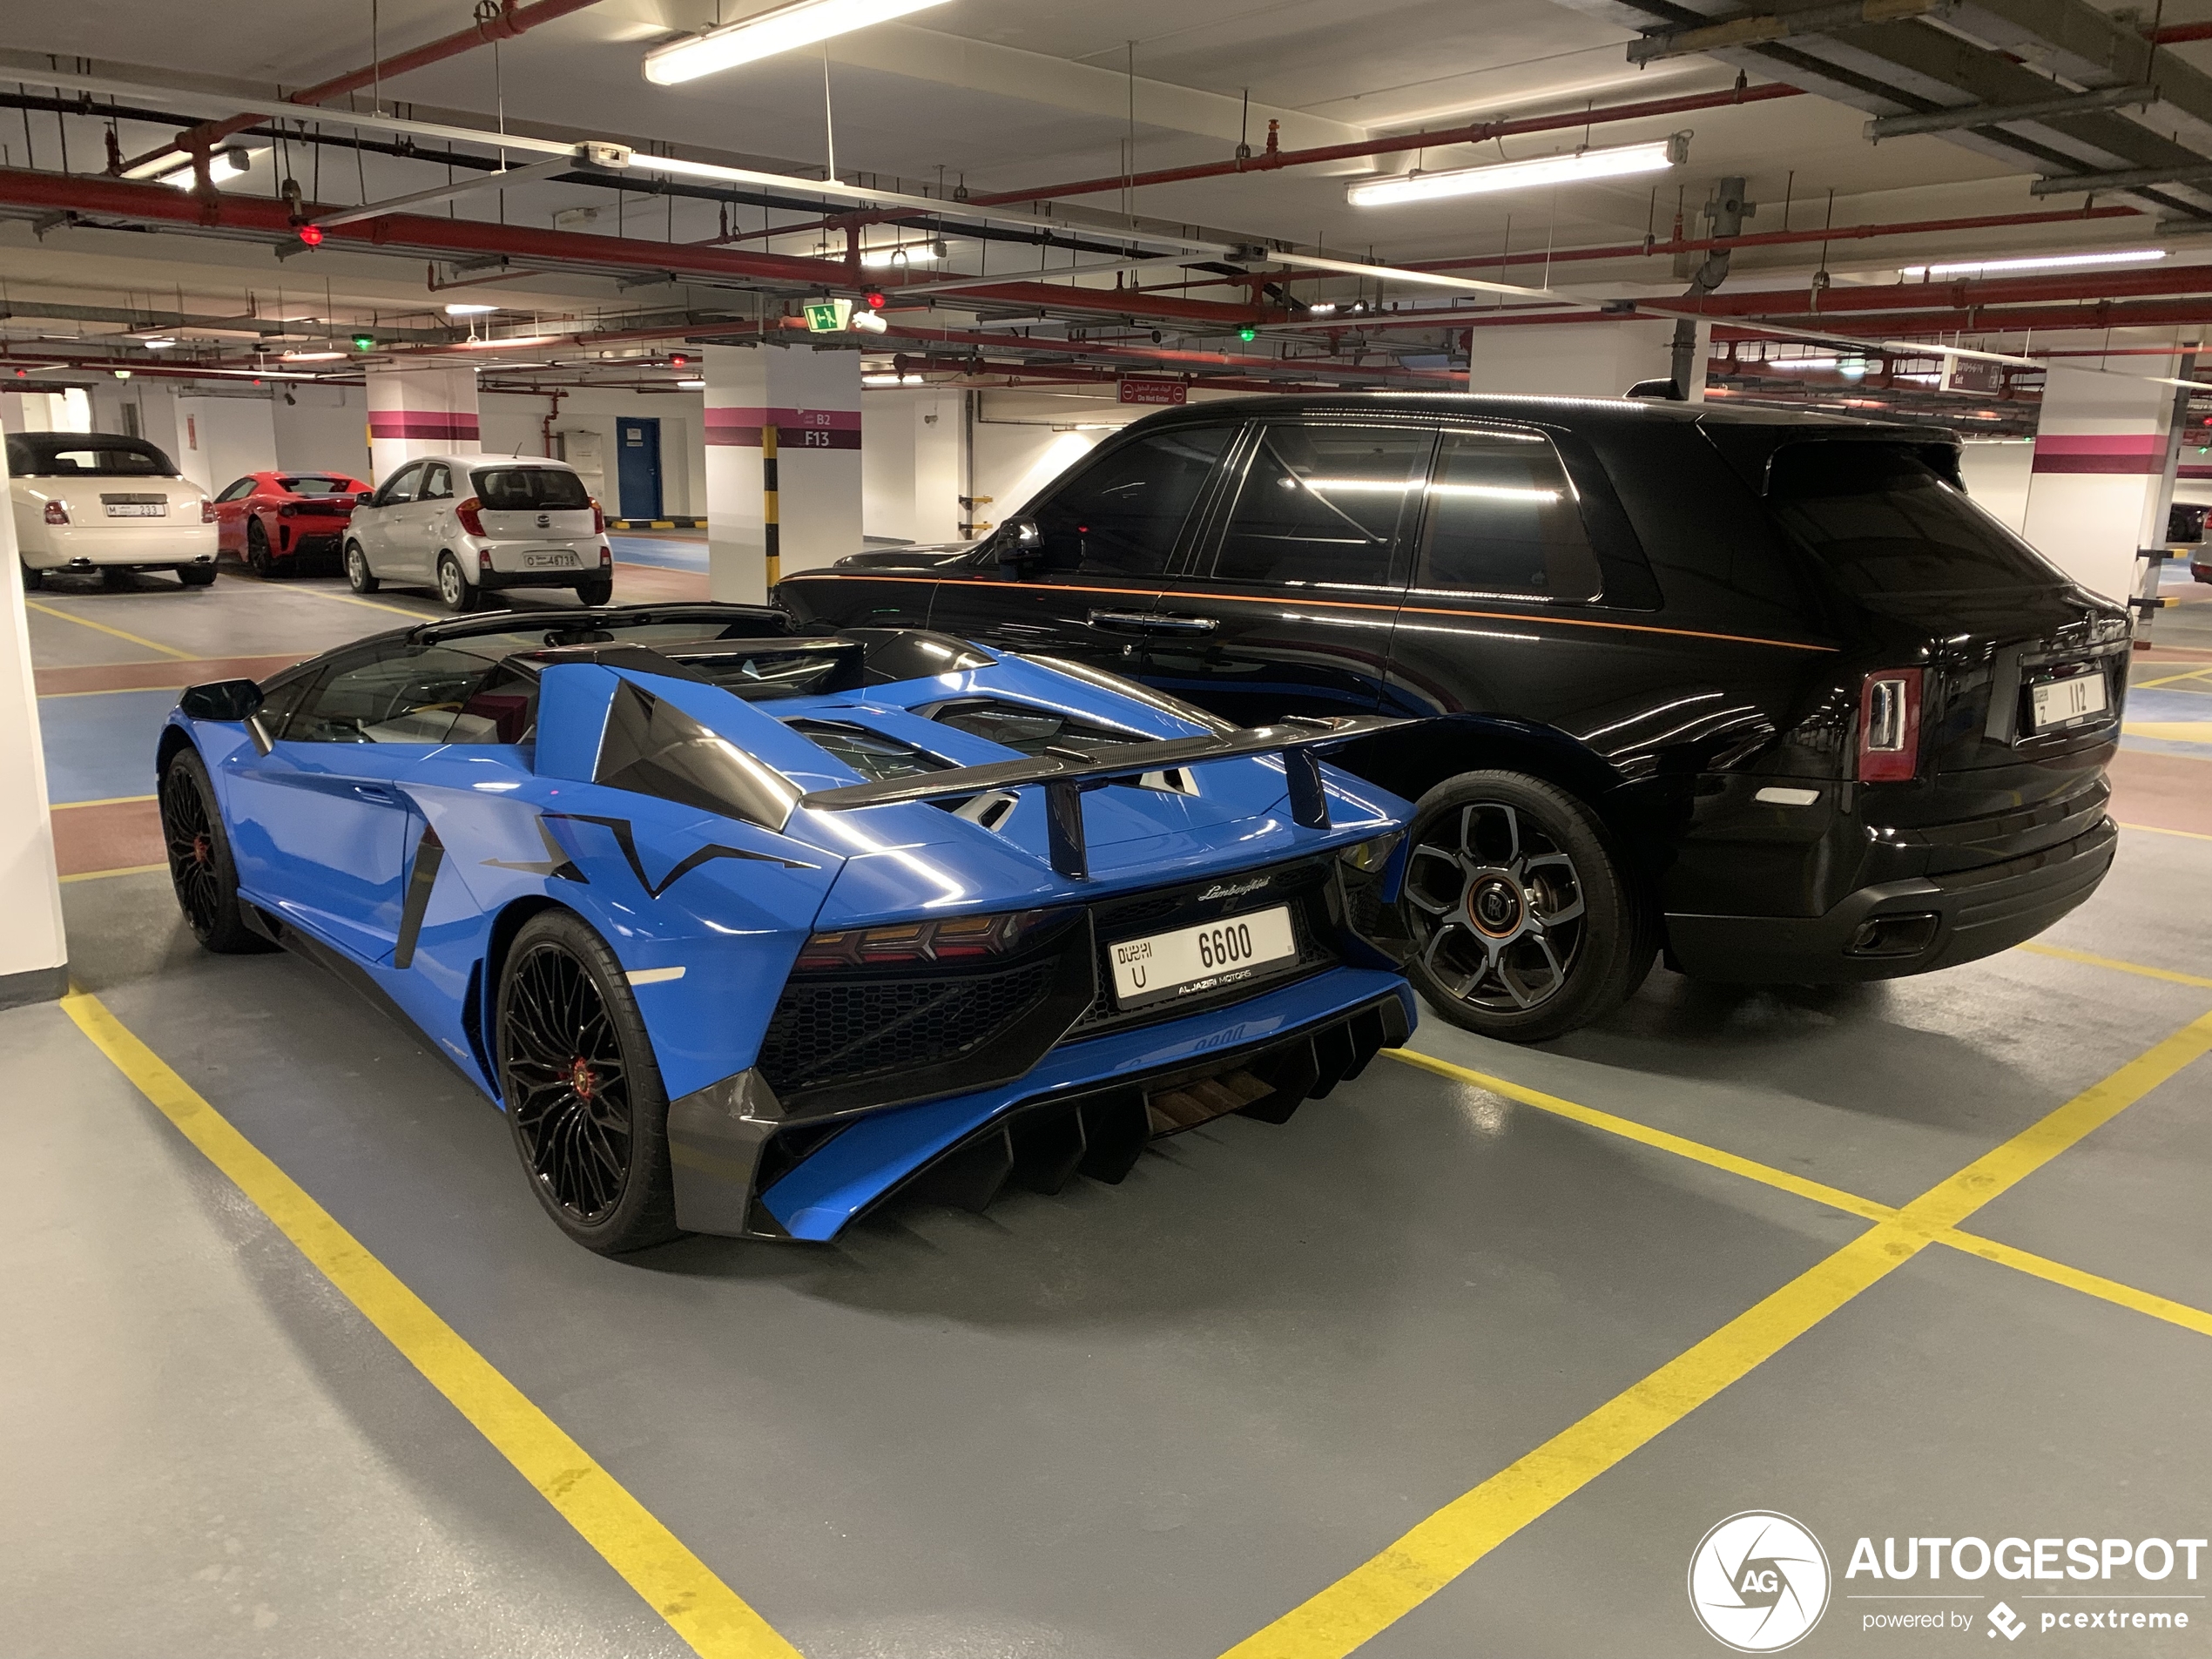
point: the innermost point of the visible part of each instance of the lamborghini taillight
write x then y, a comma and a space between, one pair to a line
1889, 726
949, 938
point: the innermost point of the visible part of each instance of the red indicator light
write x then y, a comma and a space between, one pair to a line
312, 235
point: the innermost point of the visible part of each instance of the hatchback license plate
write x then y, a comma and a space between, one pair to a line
1199, 958
548, 561
2063, 702
138, 509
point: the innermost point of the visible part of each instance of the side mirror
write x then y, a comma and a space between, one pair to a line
221, 700
365, 498
1020, 543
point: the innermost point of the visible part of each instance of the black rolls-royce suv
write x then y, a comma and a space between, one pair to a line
1763, 689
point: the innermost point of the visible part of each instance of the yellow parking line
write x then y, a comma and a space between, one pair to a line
2161, 829
355, 599
128, 869
112, 800
85, 621
2169, 731
2074, 1278
2194, 673
2112, 962
699, 1606
1386, 1587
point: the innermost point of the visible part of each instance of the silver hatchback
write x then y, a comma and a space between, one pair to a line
470, 525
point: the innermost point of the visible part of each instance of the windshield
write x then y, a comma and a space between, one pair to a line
528, 489
1883, 521
84, 455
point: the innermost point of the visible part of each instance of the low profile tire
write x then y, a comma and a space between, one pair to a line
196, 576
259, 559
455, 592
114, 576
584, 1097
359, 577
1525, 925
200, 867
597, 593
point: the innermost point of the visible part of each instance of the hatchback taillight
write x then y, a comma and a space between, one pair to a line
598, 518
1889, 726
56, 513
207, 510
471, 515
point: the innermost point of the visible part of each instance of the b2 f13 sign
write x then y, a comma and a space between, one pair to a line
1150, 389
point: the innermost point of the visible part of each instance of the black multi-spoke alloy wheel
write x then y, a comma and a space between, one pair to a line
259, 559
584, 1095
200, 867
1525, 925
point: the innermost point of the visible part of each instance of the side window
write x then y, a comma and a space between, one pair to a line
1502, 518
429, 695
1323, 506
437, 483
238, 491
401, 486
1121, 515
281, 702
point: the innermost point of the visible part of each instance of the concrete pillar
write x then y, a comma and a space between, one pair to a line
1576, 359
812, 398
34, 955
419, 412
2101, 455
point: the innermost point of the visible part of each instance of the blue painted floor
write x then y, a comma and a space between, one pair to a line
99, 746
664, 552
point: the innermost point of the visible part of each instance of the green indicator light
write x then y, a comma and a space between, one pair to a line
1248, 334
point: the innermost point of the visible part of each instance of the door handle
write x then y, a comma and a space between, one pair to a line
1150, 622
376, 793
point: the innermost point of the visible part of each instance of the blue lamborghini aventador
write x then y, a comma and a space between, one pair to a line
748, 929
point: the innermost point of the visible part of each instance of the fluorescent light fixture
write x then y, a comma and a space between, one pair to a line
1322, 308
459, 309
2039, 262
691, 386
233, 163
1614, 162
158, 342
1803, 362
511, 340
311, 356
880, 259
766, 33
891, 380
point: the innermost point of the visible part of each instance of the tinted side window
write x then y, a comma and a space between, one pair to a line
1321, 506
429, 695
244, 487
401, 486
1121, 514
1502, 518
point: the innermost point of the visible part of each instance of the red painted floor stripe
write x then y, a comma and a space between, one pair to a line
107, 837
2165, 791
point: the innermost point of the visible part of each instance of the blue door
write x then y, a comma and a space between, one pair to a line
638, 470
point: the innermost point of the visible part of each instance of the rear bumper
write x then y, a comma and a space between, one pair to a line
1084, 1106
1976, 914
82, 548
498, 581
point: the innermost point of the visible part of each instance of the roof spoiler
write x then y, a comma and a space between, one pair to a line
1068, 774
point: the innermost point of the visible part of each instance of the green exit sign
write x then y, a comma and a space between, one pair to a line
828, 316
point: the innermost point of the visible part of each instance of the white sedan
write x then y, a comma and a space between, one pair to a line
91, 500
470, 525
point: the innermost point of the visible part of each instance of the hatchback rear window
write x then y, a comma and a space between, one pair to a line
1883, 521
528, 489
75, 454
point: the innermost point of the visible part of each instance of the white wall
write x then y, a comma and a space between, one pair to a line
515, 423
913, 470
325, 428
1997, 476
1571, 359
32, 950
225, 438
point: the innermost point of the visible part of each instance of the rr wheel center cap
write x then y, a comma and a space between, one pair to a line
582, 1079
1494, 906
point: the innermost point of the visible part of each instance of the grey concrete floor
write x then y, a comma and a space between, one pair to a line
1137, 1422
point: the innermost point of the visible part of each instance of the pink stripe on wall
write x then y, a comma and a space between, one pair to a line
795, 428
2197, 471
2133, 452
402, 423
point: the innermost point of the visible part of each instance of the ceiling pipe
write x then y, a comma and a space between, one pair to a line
1272, 160
1957, 296
508, 20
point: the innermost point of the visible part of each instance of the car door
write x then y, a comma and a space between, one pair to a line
230, 509
380, 527
1106, 536
1295, 588
433, 508
322, 825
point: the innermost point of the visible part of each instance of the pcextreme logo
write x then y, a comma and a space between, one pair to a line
1759, 1582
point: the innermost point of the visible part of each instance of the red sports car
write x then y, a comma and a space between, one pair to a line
274, 521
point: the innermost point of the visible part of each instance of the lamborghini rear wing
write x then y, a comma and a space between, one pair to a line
1067, 774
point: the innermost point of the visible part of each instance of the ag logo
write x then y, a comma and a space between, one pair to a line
1759, 1582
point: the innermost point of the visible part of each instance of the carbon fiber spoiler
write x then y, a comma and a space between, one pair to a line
1067, 775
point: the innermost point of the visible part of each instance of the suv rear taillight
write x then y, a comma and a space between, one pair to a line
56, 513
471, 513
1889, 726
598, 518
